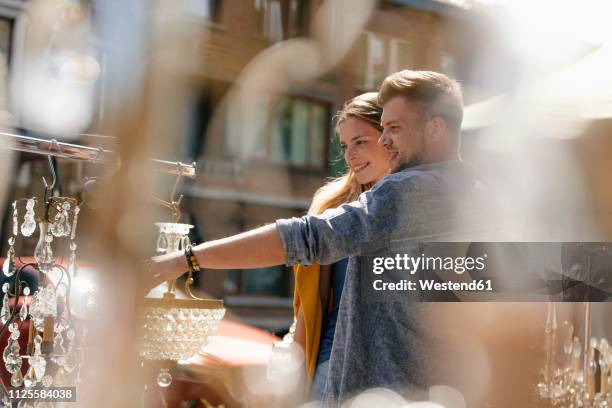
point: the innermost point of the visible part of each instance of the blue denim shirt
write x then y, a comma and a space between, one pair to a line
381, 343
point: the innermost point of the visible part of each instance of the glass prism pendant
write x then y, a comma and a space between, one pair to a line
164, 378
29, 380
8, 267
5, 312
17, 379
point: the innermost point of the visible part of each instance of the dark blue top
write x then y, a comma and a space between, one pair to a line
338, 273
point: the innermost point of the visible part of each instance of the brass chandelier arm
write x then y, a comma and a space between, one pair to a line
188, 284
173, 206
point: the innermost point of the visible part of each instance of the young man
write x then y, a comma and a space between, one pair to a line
379, 342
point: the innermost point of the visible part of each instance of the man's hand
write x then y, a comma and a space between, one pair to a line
166, 267
258, 248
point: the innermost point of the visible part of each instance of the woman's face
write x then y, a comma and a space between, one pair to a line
363, 154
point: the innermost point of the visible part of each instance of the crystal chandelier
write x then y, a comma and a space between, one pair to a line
175, 329
54, 355
576, 371
577, 374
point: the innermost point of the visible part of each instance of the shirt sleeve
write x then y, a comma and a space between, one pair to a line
341, 232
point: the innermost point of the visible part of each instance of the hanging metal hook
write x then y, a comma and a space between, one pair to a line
174, 203
51, 166
49, 187
173, 198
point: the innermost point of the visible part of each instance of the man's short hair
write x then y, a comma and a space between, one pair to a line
438, 94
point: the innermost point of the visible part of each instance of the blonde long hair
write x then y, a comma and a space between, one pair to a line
346, 188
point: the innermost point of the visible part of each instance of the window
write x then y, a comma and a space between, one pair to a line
282, 19
208, 9
289, 131
447, 65
246, 129
299, 18
375, 69
401, 55
6, 28
270, 17
318, 135
380, 55
198, 113
284, 129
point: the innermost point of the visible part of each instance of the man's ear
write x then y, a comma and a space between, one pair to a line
435, 129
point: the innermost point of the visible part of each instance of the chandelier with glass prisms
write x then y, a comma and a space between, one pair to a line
576, 373
175, 329
41, 313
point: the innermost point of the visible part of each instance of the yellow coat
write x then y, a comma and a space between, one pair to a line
307, 297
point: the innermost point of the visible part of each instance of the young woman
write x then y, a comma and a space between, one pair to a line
318, 288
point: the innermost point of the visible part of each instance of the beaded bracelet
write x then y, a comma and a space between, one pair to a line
192, 261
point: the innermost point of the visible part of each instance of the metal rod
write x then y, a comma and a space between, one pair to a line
178, 168
54, 148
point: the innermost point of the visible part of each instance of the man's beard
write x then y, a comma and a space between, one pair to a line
415, 159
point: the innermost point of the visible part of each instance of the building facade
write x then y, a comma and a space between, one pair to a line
291, 153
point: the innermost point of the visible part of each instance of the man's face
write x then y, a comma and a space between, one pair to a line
403, 133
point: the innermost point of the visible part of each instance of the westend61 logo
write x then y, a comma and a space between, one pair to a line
411, 264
